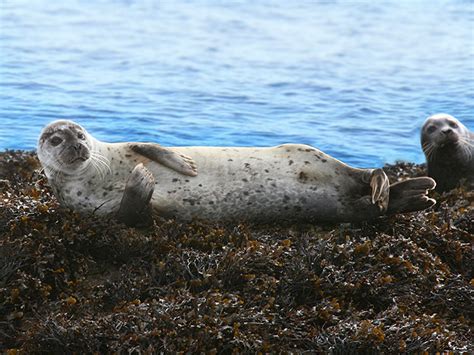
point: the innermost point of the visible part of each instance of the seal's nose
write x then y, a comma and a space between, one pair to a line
447, 131
77, 147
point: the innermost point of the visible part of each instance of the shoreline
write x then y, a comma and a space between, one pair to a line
84, 284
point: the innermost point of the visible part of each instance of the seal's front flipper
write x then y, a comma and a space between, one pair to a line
176, 161
380, 186
135, 205
411, 195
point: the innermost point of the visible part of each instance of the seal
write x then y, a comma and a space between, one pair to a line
290, 182
449, 150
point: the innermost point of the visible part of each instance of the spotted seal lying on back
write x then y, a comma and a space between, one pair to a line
449, 150
289, 182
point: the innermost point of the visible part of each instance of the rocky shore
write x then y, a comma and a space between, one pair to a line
71, 283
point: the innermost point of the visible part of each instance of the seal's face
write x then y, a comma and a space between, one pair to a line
65, 147
441, 131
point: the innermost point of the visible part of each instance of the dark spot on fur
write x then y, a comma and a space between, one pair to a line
273, 184
324, 160
290, 162
79, 193
300, 150
120, 162
247, 165
186, 180
230, 160
246, 193
190, 201
116, 174
211, 202
303, 177
105, 193
200, 185
286, 198
128, 155
266, 170
307, 162
175, 180
245, 180
298, 208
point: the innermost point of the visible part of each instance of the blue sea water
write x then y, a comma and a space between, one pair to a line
353, 78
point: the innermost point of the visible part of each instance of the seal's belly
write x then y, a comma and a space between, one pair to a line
258, 184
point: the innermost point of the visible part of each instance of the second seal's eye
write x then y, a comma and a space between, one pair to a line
431, 129
56, 141
81, 136
453, 124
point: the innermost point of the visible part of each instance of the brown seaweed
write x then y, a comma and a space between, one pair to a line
71, 283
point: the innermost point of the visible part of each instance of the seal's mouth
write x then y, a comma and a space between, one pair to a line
75, 160
449, 141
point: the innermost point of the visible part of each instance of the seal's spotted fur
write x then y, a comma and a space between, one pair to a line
288, 182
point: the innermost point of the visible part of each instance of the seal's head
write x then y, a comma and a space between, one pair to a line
64, 147
442, 132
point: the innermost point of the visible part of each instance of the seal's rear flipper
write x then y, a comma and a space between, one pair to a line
178, 162
380, 186
135, 205
411, 195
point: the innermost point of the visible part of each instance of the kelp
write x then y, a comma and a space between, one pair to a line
71, 283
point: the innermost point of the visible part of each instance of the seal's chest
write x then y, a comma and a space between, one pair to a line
93, 196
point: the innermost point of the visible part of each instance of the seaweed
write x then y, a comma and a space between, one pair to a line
71, 283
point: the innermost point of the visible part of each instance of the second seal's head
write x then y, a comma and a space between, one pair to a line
64, 146
441, 130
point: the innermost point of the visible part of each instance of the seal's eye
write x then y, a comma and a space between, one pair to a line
55, 141
431, 129
453, 124
81, 136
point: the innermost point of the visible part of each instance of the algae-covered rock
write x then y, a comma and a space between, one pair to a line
71, 283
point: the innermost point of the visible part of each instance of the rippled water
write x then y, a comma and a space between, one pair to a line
353, 78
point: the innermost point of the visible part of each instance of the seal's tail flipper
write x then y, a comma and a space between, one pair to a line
380, 186
411, 195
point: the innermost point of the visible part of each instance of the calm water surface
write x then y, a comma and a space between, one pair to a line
354, 78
